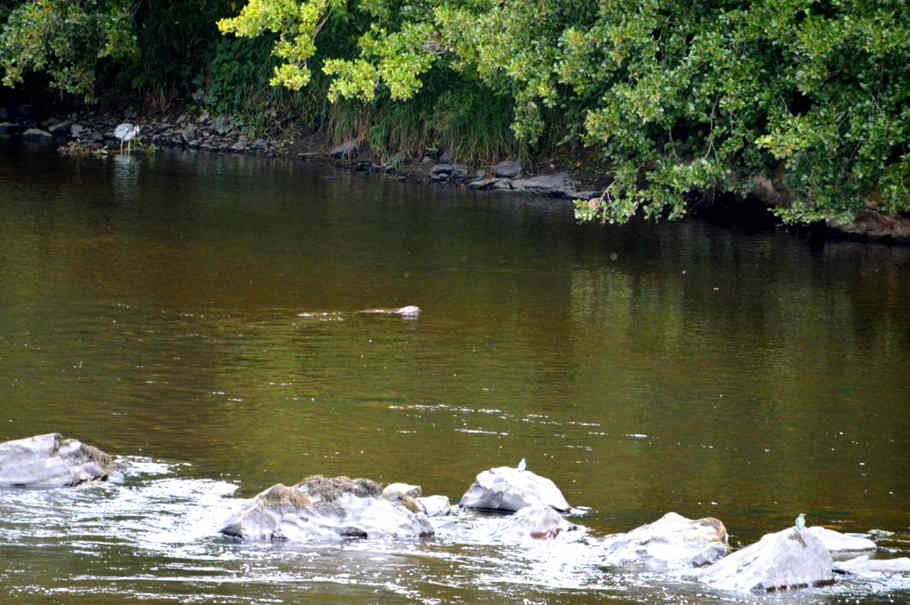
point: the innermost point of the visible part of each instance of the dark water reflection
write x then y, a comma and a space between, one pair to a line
200, 311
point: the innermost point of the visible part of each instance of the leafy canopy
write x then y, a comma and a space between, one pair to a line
65, 39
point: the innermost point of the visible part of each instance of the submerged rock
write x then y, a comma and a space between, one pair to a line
785, 560
671, 542
46, 461
321, 509
510, 489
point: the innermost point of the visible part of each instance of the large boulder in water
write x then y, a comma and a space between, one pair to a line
46, 461
671, 542
510, 489
321, 509
785, 560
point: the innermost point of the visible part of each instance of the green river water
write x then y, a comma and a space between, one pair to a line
196, 316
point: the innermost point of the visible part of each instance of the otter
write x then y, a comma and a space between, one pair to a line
410, 311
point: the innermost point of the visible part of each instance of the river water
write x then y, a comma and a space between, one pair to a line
196, 316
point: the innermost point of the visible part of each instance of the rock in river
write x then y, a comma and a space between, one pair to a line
45, 461
785, 560
510, 489
321, 509
536, 522
671, 542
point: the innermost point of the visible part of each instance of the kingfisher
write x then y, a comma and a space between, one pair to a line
522, 465
801, 521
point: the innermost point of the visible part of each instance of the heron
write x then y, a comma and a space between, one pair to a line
125, 132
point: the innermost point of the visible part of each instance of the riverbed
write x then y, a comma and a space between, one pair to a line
196, 315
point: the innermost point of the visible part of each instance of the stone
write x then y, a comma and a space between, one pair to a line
321, 509
558, 185
672, 542
872, 224
506, 488
10, 128
77, 131
221, 125
395, 490
459, 172
435, 506
535, 522
61, 129
837, 542
47, 461
440, 172
36, 135
786, 560
508, 169
190, 133
445, 158
482, 184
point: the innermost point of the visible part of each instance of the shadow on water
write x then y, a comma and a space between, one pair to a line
202, 309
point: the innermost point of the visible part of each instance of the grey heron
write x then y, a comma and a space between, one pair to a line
125, 132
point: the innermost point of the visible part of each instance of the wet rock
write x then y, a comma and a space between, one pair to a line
837, 542
509, 489
440, 172
321, 509
482, 184
536, 522
190, 133
311, 155
10, 128
435, 506
445, 158
36, 135
872, 224
553, 185
508, 169
221, 125
671, 542
395, 490
77, 131
459, 172
46, 461
785, 560
60, 129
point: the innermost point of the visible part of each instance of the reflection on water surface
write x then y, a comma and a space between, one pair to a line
152, 306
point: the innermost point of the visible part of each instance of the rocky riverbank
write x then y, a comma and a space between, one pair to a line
92, 133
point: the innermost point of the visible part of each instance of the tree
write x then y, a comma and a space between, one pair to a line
66, 39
